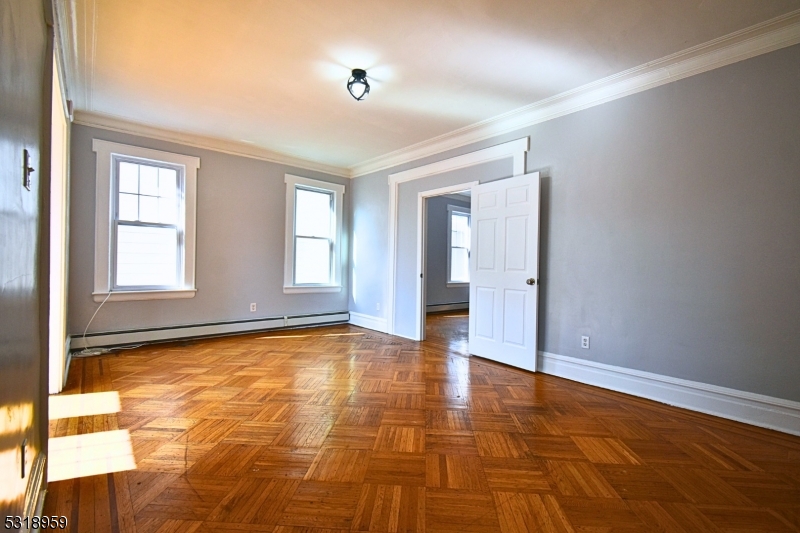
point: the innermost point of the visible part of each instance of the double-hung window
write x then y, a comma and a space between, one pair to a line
144, 223
458, 243
313, 235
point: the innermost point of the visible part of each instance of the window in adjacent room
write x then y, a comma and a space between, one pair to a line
145, 223
458, 243
313, 235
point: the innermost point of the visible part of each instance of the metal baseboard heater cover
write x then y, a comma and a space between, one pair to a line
136, 336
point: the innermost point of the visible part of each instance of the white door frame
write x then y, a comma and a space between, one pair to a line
516, 150
422, 239
58, 341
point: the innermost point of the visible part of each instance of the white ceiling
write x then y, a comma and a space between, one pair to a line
272, 74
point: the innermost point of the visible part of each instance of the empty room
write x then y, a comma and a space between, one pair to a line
317, 267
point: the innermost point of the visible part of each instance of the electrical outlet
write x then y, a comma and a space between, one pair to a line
585, 342
253, 307
378, 306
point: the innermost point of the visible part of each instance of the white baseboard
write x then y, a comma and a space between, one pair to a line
203, 330
432, 308
375, 323
756, 409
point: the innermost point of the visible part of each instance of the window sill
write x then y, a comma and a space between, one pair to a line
125, 296
295, 289
451, 285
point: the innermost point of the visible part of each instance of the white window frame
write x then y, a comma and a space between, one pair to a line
104, 221
450, 210
337, 191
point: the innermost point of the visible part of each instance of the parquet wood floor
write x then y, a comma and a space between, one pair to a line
343, 429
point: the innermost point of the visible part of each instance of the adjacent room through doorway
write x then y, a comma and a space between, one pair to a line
446, 243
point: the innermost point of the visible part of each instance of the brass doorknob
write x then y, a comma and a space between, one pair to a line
530, 281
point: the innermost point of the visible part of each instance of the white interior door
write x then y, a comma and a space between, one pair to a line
504, 271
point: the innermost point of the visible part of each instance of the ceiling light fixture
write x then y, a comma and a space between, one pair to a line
357, 84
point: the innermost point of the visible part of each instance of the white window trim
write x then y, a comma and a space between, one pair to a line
450, 210
104, 218
288, 268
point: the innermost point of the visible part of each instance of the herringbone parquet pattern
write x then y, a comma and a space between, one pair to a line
343, 429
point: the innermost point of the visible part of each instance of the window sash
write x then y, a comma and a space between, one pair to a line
178, 226
453, 213
330, 239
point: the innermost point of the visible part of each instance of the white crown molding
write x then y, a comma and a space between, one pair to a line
107, 122
755, 409
66, 48
762, 38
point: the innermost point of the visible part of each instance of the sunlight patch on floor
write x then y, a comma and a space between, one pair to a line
93, 403
89, 455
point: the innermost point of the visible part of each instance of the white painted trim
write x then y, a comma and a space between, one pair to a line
762, 38
111, 123
422, 233
338, 190
361, 320
104, 216
315, 288
756, 409
59, 230
203, 330
516, 149
69, 362
450, 210
66, 28
127, 296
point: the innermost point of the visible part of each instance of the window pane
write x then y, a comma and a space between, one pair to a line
313, 213
128, 207
312, 261
459, 265
148, 209
167, 210
167, 182
146, 256
460, 230
148, 180
128, 177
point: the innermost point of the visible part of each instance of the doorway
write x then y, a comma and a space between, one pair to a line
443, 253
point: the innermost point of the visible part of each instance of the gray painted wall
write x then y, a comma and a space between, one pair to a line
241, 204
670, 228
25, 82
436, 290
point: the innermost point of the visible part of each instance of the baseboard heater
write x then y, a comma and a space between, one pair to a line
212, 329
432, 308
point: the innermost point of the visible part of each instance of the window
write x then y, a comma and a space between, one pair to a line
313, 235
144, 224
458, 242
